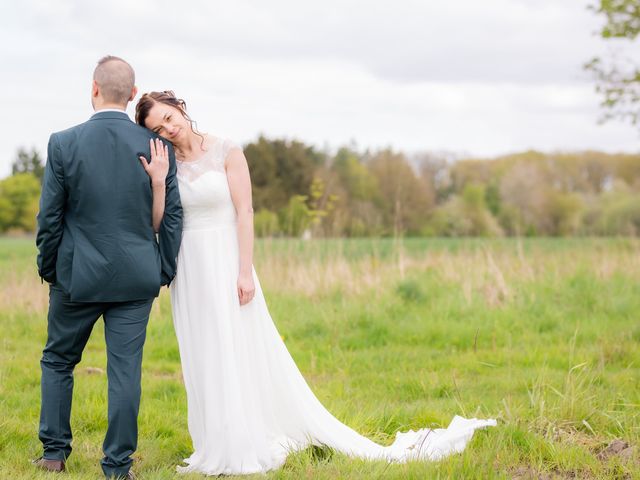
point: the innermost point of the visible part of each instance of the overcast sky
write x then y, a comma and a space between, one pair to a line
482, 78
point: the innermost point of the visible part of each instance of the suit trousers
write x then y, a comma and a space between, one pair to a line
69, 327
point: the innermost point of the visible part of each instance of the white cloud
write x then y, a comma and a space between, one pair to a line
483, 77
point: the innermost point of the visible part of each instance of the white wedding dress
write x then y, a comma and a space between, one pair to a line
248, 404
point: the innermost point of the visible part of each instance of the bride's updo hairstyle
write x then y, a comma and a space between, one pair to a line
148, 100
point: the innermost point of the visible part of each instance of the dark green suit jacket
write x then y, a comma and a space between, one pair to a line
95, 234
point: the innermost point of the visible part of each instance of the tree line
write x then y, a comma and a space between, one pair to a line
384, 193
301, 190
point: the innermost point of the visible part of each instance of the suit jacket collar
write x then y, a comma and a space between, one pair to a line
110, 115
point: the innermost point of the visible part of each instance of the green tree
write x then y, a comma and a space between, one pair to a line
280, 169
464, 215
523, 190
19, 196
492, 197
405, 198
28, 162
617, 212
354, 176
295, 217
357, 211
564, 210
265, 223
6, 212
481, 221
618, 83
266, 186
321, 205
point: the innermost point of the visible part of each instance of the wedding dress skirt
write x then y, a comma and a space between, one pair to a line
248, 404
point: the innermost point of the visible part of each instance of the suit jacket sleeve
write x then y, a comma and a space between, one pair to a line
50, 216
170, 233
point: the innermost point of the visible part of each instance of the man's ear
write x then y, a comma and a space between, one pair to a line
95, 89
134, 92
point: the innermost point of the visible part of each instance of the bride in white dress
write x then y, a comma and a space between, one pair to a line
248, 404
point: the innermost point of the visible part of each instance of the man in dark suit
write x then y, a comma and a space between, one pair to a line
100, 255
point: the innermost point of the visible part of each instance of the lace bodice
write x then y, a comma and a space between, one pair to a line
204, 191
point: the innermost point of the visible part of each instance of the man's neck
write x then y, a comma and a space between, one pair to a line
110, 106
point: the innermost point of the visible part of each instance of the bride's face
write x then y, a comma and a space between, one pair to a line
168, 122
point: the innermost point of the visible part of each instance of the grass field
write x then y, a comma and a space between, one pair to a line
542, 334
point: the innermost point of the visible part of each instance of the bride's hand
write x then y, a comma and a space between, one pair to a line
246, 288
159, 166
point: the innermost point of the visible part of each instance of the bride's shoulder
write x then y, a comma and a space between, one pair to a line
229, 144
227, 147
217, 151
223, 144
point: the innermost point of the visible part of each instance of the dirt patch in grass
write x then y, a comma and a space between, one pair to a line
530, 473
619, 449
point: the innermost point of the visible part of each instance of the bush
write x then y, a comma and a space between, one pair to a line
295, 217
410, 291
265, 223
465, 215
19, 195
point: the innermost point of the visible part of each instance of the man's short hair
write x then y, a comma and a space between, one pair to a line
116, 79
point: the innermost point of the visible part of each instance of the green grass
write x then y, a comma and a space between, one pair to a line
542, 334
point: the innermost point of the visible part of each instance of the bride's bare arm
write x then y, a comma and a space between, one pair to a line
240, 187
159, 193
157, 171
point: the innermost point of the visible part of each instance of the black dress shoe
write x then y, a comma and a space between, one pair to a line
49, 465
